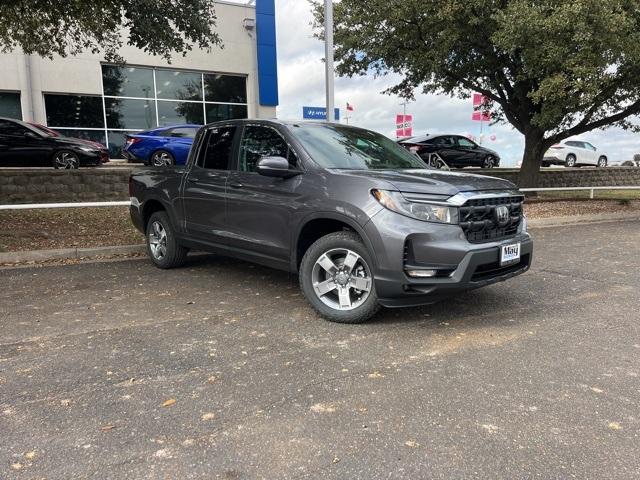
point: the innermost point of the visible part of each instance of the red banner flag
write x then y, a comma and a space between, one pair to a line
404, 125
478, 114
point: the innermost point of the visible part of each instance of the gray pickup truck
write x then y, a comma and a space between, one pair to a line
362, 221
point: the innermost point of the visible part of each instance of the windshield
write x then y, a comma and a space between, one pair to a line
340, 146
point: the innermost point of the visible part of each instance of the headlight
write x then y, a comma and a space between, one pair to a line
87, 149
425, 211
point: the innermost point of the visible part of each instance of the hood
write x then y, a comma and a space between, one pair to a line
436, 182
80, 142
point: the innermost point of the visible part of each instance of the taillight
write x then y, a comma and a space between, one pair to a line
558, 147
132, 141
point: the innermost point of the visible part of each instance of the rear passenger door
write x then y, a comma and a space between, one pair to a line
204, 188
259, 208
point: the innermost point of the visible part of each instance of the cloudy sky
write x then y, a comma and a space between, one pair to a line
301, 78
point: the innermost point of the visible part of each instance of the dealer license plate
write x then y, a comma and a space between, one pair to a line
509, 254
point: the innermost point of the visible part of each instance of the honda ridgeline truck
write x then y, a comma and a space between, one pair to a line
362, 221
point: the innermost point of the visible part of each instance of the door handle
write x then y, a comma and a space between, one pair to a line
236, 185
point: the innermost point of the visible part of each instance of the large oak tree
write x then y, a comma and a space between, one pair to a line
552, 69
67, 27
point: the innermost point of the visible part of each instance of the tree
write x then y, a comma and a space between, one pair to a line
552, 69
159, 27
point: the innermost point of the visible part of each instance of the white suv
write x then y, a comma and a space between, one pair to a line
574, 153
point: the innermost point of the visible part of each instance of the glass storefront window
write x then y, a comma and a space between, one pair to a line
127, 81
178, 85
225, 88
130, 114
217, 112
117, 140
10, 105
174, 113
74, 111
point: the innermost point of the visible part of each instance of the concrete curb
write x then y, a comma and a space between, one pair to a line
582, 219
68, 253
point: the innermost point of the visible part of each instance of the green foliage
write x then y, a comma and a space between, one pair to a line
159, 27
553, 69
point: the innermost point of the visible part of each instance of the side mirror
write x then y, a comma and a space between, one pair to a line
277, 167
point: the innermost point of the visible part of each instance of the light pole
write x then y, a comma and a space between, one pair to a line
328, 55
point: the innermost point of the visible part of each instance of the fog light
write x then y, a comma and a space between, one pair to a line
422, 273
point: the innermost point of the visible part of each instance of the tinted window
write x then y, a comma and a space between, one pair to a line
123, 113
127, 81
10, 105
170, 113
219, 148
225, 88
340, 146
464, 142
74, 111
182, 132
444, 141
575, 144
178, 85
258, 142
11, 128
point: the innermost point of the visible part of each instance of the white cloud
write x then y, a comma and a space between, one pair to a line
301, 77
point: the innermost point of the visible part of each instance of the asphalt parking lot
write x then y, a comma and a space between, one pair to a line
221, 370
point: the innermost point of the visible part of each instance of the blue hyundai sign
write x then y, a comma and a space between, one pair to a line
318, 113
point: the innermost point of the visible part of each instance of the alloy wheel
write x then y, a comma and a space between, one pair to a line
489, 162
158, 240
66, 160
341, 279
162, 159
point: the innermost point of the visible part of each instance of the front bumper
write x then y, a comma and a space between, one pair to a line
400, 242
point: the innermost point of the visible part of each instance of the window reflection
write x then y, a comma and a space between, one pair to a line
10, 105
126, 113
82, 111
225, 88
217, 112
127, 81
178, 85
173, 113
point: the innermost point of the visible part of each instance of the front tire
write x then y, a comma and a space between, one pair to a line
162, 245
489, 162
336, 277
66, 160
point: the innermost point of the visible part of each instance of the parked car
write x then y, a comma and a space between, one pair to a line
104, 150
361, 221
574, 153
24, 145
455, 150
161, 147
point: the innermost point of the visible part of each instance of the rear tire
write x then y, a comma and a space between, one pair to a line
570, 161
162, 245
602, 162
336, 277
162, 158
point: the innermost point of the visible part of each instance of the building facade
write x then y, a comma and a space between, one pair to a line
84, 96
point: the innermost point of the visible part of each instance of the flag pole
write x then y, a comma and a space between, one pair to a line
328, 55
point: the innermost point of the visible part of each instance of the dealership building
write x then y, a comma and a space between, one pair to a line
84, 96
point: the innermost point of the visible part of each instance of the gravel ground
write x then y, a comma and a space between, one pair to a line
96, 227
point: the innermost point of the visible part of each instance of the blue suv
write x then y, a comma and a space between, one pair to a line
161, 147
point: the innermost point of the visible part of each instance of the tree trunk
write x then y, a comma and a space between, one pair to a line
534, 149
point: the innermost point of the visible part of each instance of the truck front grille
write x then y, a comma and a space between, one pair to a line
478, 219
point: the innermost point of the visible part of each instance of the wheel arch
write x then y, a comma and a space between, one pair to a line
153, 205
318, 225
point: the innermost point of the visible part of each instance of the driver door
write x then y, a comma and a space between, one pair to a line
21, 147
259, 208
